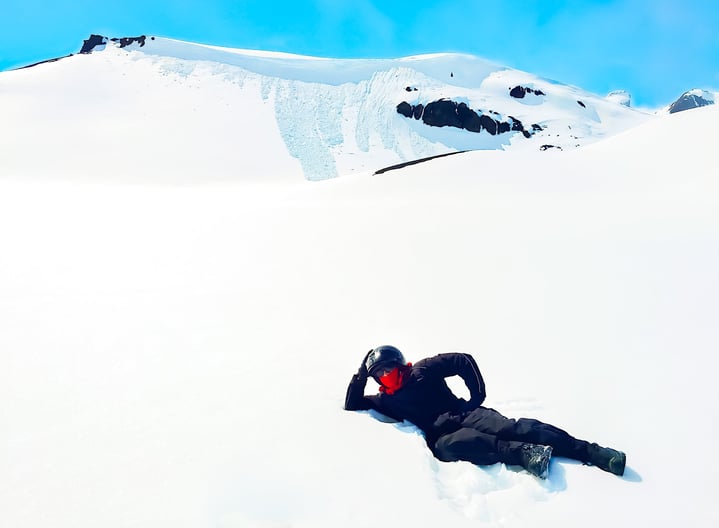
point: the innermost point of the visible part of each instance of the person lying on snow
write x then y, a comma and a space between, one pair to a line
456, 429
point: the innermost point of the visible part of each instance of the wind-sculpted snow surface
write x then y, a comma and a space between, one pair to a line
334, 116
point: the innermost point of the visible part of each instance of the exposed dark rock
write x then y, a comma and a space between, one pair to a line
516, 124
44, 62
94, 40
518, 92
547, 147
691, 99
415, 162
469, 118
89, 45
442, 113
98, 40
405, 109
489, 124
581, 104
445, 112
126, 41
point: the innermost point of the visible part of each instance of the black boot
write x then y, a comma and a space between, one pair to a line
535, 459
607, 459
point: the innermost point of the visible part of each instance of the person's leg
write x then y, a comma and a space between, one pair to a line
563, 444
528, 430
476, 447
485, 449
566, 445
534, 431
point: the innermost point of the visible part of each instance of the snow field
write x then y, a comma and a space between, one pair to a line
176, 341
178, 355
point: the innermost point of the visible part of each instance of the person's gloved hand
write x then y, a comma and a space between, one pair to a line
362, 372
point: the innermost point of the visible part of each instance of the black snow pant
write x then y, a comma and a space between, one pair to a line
486, 437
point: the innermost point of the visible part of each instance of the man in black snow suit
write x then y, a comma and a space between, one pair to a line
456, 429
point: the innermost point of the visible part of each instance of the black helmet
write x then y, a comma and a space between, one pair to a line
383, 356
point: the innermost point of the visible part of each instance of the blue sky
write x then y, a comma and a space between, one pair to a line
656, 49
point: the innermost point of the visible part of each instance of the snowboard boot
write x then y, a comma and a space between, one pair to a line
607, 459
535, 459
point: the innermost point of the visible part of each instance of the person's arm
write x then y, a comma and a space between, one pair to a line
464, 366
355, 400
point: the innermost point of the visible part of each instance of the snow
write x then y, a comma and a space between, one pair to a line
176, 335
311, 117
620, 96
704, 94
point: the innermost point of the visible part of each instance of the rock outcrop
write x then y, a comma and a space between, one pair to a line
692, 99
446, 112
89, 45
518, 92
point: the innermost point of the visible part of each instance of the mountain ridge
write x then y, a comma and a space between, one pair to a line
333, 116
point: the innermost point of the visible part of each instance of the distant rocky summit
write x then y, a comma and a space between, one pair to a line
692, 99
94, 41
97, 43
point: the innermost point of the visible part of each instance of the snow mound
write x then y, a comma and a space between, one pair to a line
621, 97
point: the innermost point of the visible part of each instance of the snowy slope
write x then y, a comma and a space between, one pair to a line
333, 117
177, 355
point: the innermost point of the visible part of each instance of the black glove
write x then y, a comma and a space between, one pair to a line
362, 372
467, 406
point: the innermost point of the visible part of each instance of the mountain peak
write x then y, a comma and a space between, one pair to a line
98, 42
695, 98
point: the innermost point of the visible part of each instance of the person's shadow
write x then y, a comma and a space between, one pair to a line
557, 479
631, 476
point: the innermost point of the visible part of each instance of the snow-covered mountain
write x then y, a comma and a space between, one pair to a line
312, 116
181, 312
695, 98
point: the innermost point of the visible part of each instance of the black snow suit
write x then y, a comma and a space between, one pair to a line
456, 429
